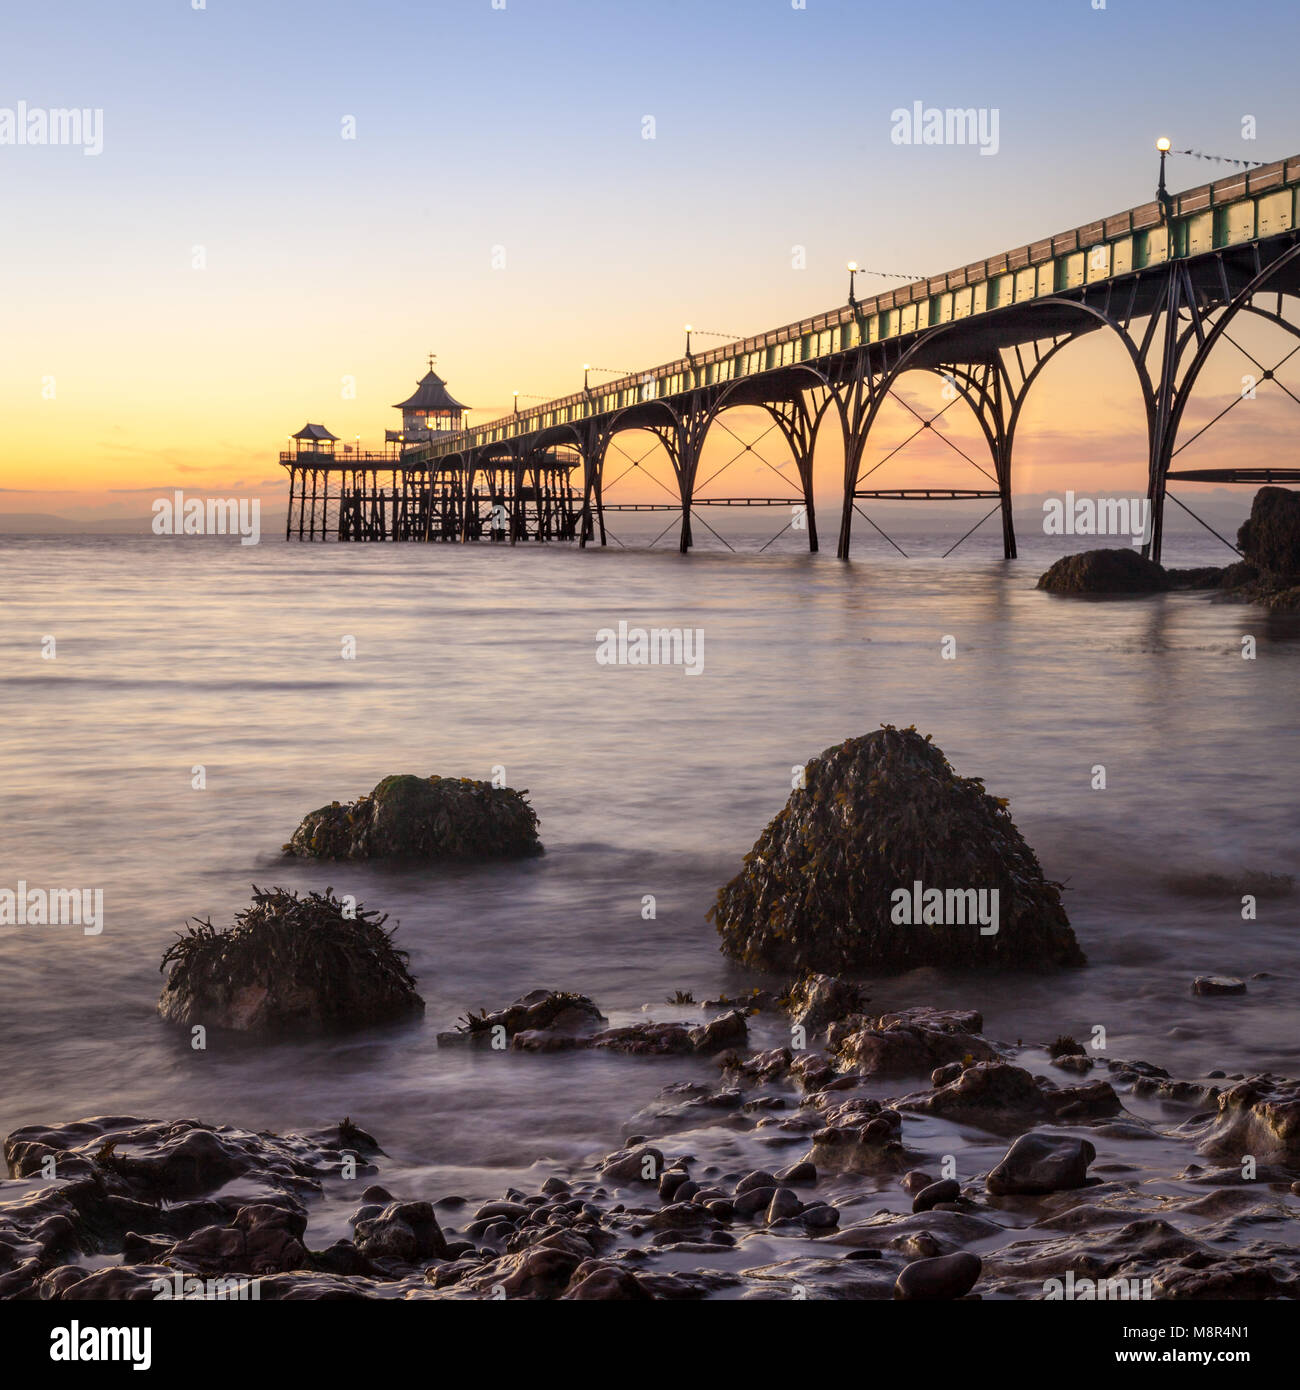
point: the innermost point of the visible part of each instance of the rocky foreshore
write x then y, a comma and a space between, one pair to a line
903, 1155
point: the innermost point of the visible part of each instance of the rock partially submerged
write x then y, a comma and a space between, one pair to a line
1218, 984
940, 1278
426, 818
289, 963
1115, 570
690, 1207
877, 816
1268, 573
556, 1010
1270, 537
913, 1043
816, 1000
1038, 1163
1259, 1116
558, 1021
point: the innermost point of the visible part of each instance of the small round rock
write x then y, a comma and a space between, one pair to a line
946, 1190
940, 1278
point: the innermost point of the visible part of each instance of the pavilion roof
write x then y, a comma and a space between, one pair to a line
430, 394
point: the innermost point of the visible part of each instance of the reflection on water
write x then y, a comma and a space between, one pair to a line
173, 655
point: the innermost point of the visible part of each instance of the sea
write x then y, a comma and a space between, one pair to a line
170, 708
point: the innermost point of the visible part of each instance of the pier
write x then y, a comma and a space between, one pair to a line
1170, 278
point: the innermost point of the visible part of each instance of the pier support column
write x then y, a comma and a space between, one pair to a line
288, 516
687, 443
799, 425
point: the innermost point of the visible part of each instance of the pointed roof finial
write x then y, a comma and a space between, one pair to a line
433, 360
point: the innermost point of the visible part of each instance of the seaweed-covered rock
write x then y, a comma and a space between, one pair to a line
878, 816
289, 963
1270, 536
1115, 570
408, 817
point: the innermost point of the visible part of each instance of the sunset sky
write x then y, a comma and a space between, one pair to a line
214, 277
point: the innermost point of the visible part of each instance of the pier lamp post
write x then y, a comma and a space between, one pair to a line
689, 331
358, 446
854, 271
1162, 193
586, 372
516, 402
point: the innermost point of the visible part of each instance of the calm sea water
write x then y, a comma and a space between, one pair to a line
172, 653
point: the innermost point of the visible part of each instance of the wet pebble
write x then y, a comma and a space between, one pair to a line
944, 1277
946, 1190
784, 1203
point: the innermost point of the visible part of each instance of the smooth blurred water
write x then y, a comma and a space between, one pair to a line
172, 653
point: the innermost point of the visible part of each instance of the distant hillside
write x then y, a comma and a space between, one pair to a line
47, 524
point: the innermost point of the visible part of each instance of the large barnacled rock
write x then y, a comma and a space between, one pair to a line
1270, 536
289, 963
832, 882
409, 817
1115, 570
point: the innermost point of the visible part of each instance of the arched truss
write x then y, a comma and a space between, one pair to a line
681, 426
993, 379
1208, 319
1169, 319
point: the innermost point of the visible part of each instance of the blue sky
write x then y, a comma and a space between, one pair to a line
480, 127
